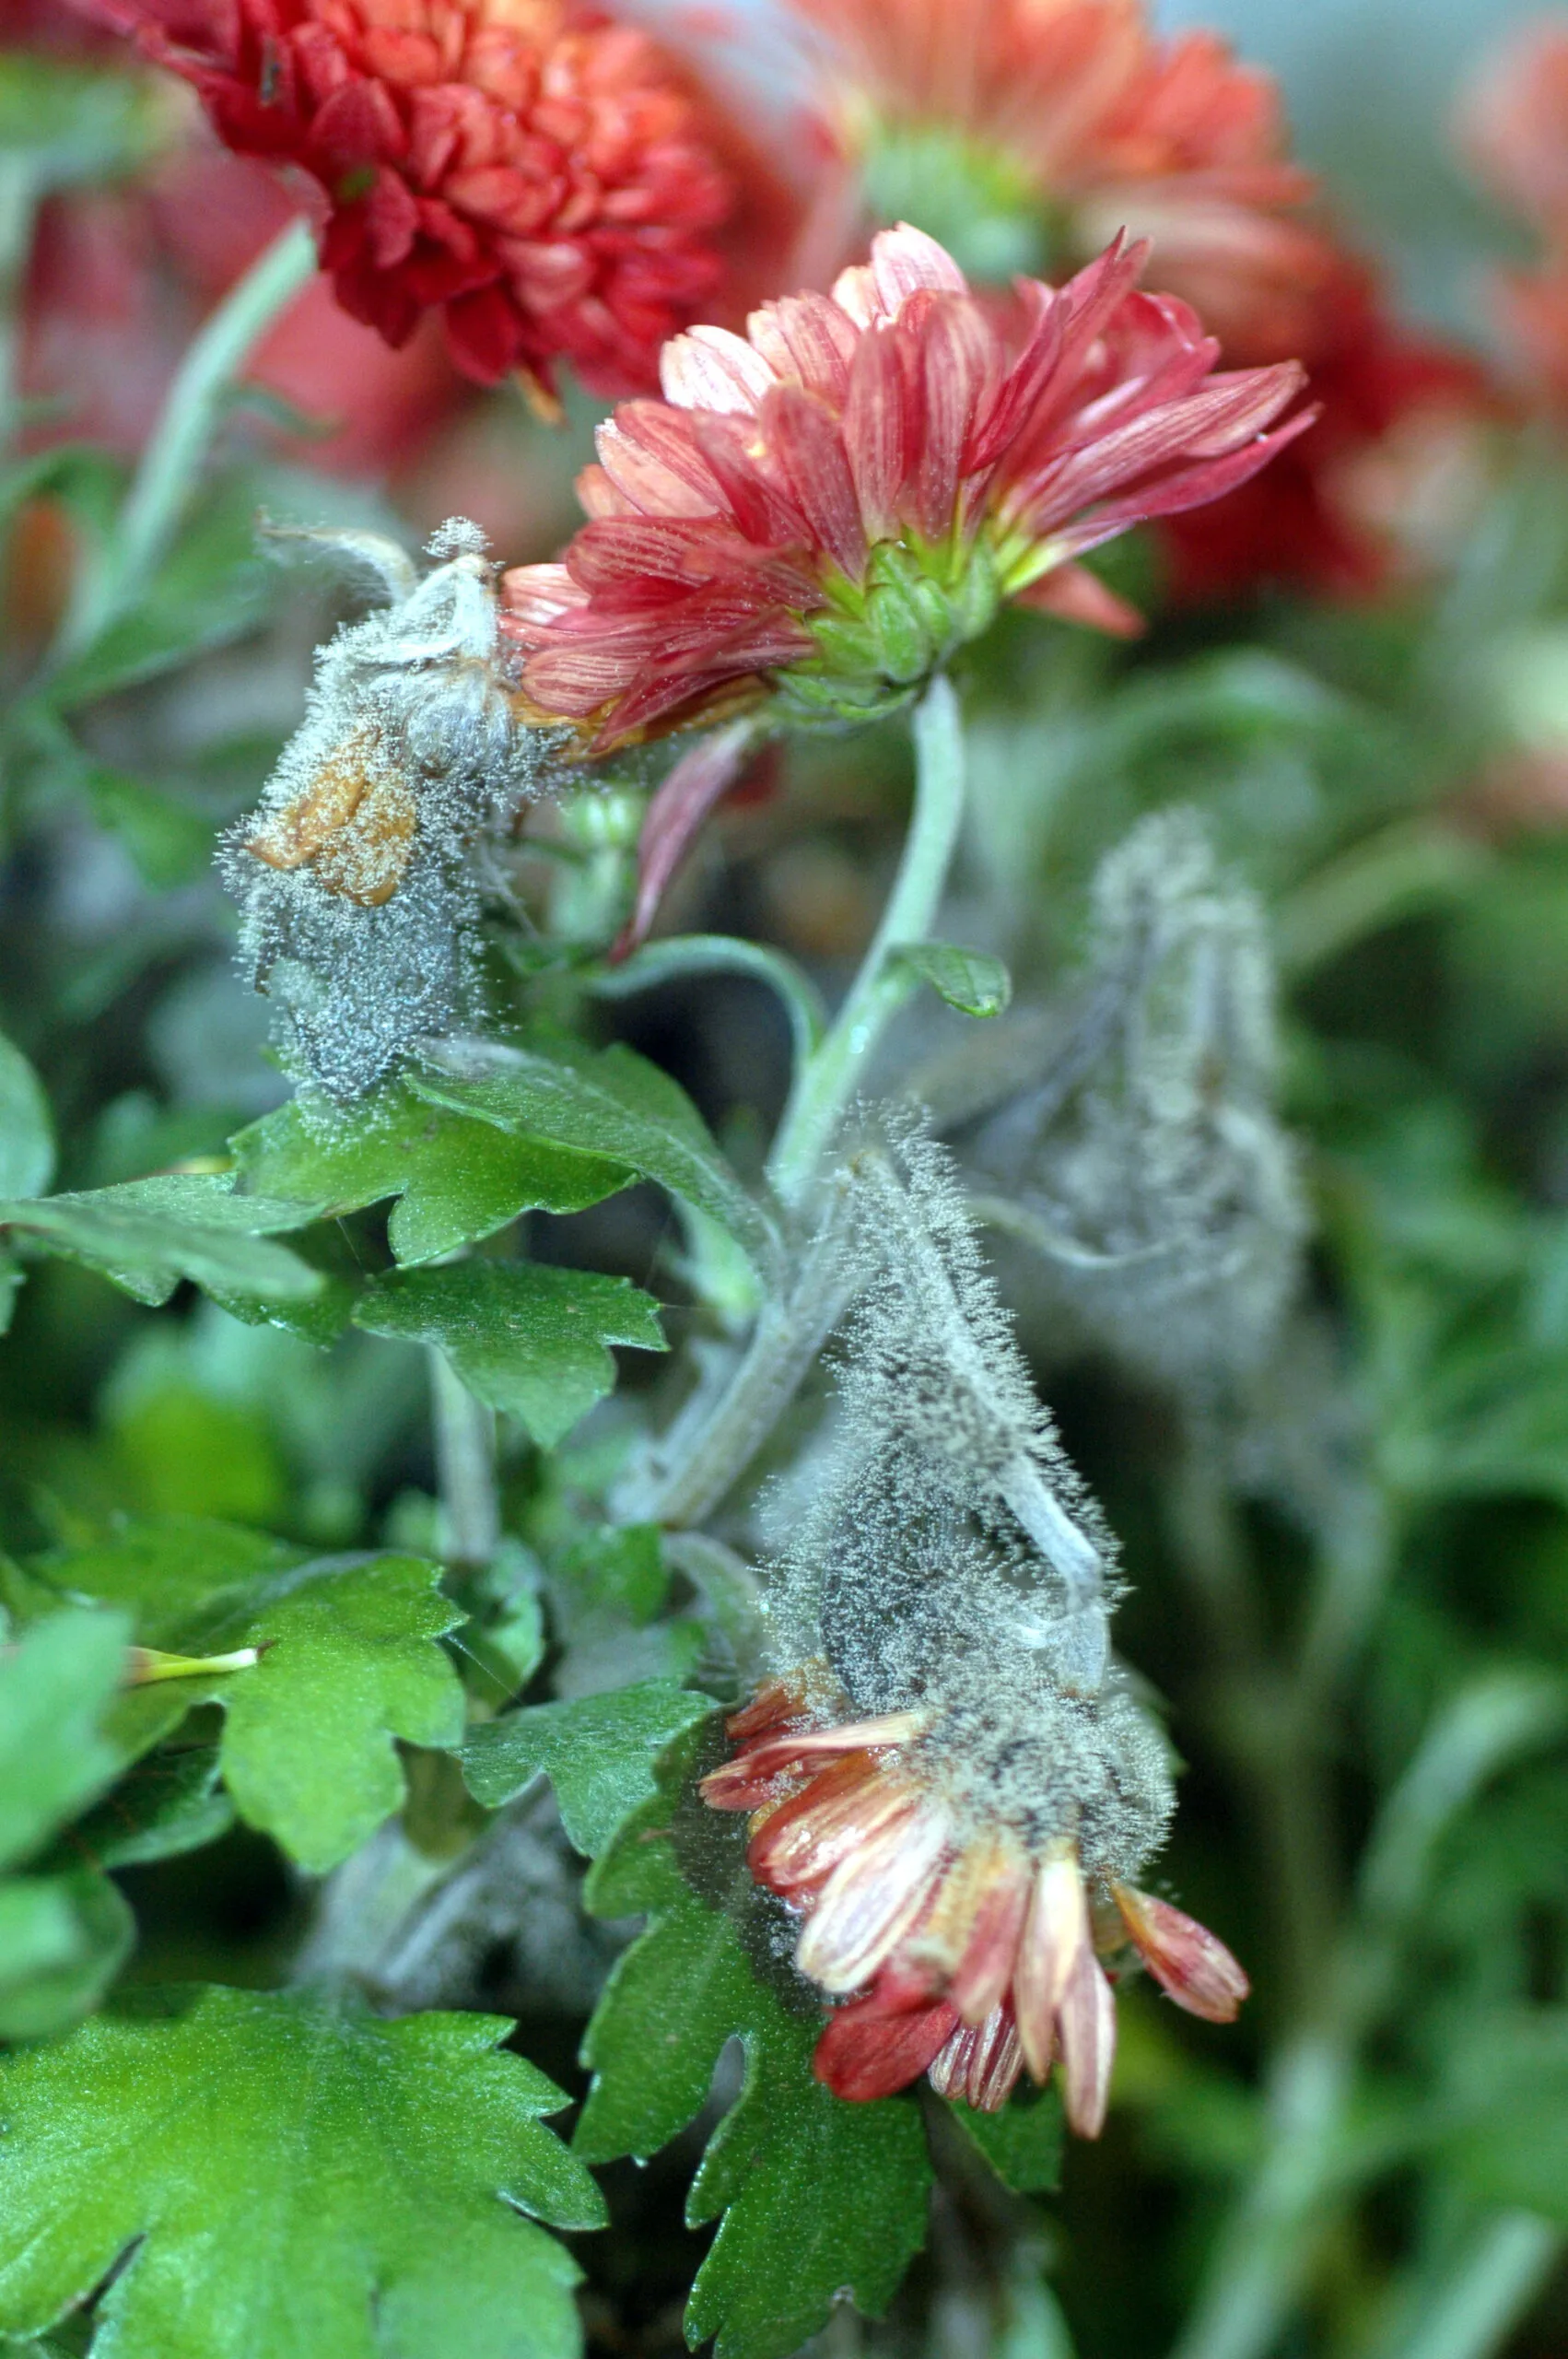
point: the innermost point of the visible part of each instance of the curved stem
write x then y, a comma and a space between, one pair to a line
172, 460
826, 1083
464, 1435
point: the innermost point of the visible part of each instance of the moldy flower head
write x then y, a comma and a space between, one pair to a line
821, 511
963, 1943
1031, 130
534, 171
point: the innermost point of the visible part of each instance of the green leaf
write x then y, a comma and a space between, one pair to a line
170, 1804
458, 1180
609, 1102
290, 2179
170, 843
597, 1751
350, 1662
63, 1934
147, 1234
970, 980
524, 1338
819, 2198
1509, 2135
55, 1685
27, 1132
1023, 2142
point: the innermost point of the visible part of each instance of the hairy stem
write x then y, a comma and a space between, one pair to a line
464, 1433
173, 457
828, 1079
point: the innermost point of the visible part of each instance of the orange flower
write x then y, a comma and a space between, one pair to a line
535, 171
1073, 109
970, 1952
821, 511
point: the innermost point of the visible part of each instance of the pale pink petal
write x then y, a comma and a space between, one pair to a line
1086, 2024
905, 261
871, 1901
693, 788
1055, 1930
807, 337
647, 454
882, 423
1075, 595
805, 438
709, 369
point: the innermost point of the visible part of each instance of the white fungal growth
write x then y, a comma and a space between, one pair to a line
357, 874
1146, 1163
945, 1557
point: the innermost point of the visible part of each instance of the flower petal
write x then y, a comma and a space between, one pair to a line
1187, 1960
865, 2052
873, 1899
1087, 2027
1055, 1932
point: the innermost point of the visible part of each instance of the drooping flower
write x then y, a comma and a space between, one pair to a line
534, 171
821, 510
1381, 485
967, 1950
1033, 130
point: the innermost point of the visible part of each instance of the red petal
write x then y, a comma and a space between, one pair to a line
1075, 595
865, 2052
696, 784
803, 435
1187, 1960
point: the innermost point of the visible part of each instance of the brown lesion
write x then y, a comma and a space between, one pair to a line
355, 824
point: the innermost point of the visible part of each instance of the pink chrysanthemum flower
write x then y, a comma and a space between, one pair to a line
968, 1951
819, 511
1068, 119
538, 173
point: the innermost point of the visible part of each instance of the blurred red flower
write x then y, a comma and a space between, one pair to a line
1366, 492
1514, 127
535, 172
821, 511
1107, 128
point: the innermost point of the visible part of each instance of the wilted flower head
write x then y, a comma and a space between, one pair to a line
949, 1778
536, 171
1147, 1165
821, 510
960, 1876
1036, 129
354, 874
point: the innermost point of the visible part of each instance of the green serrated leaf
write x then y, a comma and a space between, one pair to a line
297, 2179
458, 1180
819, 2198
26, 1130
608, 1102
971, 980
63, 1934
350, 1662
597, 1751
524, 1338
147, 1234
1023, 2142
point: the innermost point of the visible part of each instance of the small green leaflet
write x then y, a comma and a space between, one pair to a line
818, 2197
351, 1660
298, 2178
970, 980
148, 1234
170, 1803
608, 1102
1023, 2142
456, 1180
524, 1338
27, 1132
598, 1752
63, 1933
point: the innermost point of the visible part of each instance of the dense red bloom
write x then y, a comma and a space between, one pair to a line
960, 1952
824, 509
1106, 127
1345, 510
533, 171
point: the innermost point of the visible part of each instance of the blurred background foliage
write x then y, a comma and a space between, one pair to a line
1351, 1582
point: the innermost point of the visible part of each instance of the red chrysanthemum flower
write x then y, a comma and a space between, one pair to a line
823, 510
1382, 481
968, 1955
533, 171
1074, 109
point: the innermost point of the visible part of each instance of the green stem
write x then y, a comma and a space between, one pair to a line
464, 1433
19, 209
1497, 2274
172, 459
827, 1080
